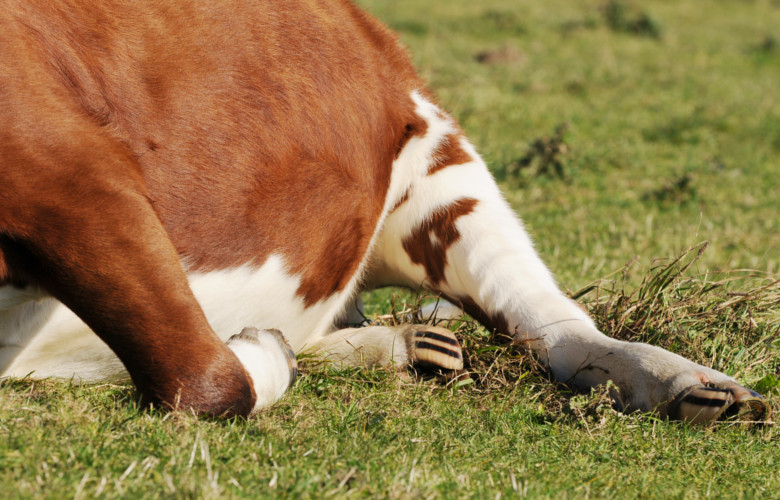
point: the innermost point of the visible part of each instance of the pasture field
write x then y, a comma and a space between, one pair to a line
626, 135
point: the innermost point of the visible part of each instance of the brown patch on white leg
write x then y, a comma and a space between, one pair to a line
428, 243
449, 153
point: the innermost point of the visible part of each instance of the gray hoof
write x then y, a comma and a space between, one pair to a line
252, 335
725, 401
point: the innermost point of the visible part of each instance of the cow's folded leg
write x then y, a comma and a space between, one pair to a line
385, 346
81, 226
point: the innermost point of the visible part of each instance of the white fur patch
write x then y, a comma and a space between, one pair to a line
54, 342
266, 363
264, 297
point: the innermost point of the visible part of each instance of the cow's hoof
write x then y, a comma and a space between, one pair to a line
724, 401
292, 362
253, 336
436, 347
268, 359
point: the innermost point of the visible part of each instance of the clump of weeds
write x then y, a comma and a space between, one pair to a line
729, 320
544, 158
624, 18
678, 191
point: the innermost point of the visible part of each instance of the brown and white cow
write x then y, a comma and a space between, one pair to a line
172, 172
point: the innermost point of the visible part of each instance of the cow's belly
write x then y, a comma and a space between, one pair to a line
42, 338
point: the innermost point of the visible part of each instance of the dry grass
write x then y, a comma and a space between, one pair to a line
727, 320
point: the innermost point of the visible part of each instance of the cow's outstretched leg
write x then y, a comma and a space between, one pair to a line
454, 234
75, 220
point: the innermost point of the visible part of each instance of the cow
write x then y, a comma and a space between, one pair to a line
193, 192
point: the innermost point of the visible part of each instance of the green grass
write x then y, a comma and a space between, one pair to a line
338, 433
673, 138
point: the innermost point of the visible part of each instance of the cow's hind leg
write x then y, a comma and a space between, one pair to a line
454, 234
75, 220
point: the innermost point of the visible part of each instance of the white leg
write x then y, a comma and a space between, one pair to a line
386, 346
455, 235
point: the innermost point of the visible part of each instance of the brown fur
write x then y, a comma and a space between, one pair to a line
496, 324
432, 254
449, 153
